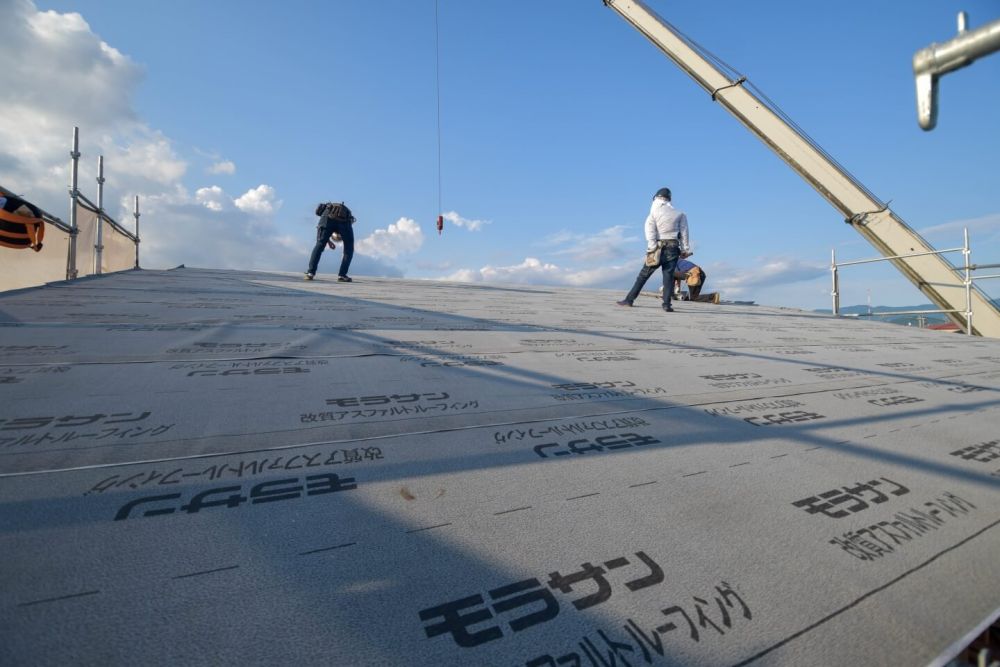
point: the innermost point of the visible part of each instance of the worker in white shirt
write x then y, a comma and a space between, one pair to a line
666, 242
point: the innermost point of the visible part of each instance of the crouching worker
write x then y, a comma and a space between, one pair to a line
21, 224
334, 224
695, 276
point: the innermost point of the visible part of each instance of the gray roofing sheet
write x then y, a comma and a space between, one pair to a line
207, 467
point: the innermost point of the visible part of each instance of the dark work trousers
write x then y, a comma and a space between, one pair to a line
325, 228
669, 254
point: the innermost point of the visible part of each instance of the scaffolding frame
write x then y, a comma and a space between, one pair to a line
968, 280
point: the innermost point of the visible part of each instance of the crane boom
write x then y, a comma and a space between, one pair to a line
930, 273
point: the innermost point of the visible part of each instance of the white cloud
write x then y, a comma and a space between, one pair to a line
606, 245
736, 282
463, 276
437, 266
457, 220
59, 74
212, 198
534, 271
604, 276
206, 230
610, 257
223, 167
987, 226
559, 238
401, 237
531, 270
60, 56
258, 201
151, 158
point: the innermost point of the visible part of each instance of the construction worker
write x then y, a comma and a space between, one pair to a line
334, 223
21, 224
695, 276
666, 242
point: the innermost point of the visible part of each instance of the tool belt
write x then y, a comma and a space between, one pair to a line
653, 256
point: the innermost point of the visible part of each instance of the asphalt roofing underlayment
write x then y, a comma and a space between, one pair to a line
230, 467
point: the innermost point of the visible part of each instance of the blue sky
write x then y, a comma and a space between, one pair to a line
558, 123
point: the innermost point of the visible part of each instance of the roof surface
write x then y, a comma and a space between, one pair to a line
208, 467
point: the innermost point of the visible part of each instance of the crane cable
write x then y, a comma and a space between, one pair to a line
737, 77
437, 75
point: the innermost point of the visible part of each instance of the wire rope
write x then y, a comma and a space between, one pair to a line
733, 74
437, 78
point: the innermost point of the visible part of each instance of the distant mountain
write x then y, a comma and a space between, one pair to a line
906, 320
856, 310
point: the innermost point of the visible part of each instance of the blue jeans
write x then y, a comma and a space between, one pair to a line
325, 228
669, 254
